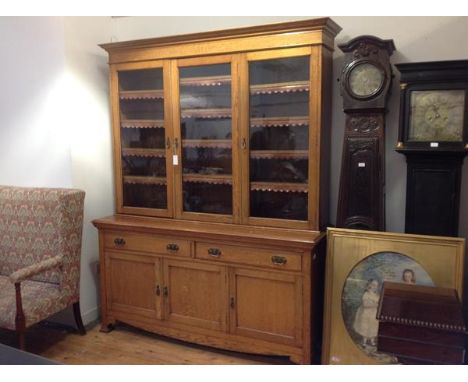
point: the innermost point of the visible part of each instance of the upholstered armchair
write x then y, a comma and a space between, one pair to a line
40, 249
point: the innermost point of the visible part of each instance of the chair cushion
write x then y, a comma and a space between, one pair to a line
40, 300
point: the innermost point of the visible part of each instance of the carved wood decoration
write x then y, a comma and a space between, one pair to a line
365, 84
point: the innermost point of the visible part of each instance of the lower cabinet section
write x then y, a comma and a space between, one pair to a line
251, 297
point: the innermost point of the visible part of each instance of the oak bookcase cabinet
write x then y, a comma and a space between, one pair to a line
221, 144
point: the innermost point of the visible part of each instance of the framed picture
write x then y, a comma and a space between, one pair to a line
358, 262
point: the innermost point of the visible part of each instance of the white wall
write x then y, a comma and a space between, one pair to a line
34, 142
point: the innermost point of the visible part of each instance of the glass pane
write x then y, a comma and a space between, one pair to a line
143, 138
279, 136
205, 104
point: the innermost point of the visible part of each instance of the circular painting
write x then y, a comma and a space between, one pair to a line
361, 293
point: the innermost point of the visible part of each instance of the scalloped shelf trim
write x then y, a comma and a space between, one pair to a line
206, 113
210, 179
280, 88
206, 81
147, 180
207, 143
279, 187
141, 94
142, 124
279, 154
279, 121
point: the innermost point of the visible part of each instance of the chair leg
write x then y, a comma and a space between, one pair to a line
20, 319
21, 340
79, 322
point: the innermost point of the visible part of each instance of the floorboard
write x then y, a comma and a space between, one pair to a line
125, 346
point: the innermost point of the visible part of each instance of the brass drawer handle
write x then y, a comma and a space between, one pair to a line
172, 247
279, 260
214, 252
119, 242
165, 291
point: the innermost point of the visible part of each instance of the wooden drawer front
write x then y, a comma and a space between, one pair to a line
147, 243
248, 255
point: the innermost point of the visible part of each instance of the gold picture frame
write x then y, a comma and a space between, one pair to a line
357, 263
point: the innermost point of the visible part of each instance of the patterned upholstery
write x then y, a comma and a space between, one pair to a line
40, 240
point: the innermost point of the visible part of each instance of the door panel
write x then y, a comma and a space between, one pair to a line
142, 138
195, 294
205, 119
133, 284
266, 305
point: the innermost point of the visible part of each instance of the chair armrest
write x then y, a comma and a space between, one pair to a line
31, 270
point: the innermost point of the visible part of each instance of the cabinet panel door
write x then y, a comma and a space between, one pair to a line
195, 294
205, 119
142, 138
133, 284
266, 305
277, 105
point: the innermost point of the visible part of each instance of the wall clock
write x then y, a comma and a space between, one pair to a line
365, 83
433, 136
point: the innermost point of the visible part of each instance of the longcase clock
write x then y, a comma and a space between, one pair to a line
434, 138
365, 83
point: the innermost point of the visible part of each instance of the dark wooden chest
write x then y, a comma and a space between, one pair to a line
421, 325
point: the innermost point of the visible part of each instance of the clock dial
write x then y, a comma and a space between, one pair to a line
437, 115
365, 80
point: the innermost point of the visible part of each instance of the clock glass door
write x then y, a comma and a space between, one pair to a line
206, 119
144, 172
278, 137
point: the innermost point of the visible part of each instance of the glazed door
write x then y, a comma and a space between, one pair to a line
266, 305
205, 152
142, 138
195, 294
133, 285
277, 137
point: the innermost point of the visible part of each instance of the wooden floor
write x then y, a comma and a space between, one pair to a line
125, 345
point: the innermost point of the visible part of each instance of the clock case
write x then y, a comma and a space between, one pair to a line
433, 173
435, 75
361, 193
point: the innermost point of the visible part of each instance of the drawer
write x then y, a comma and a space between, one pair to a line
249, 255
147, 243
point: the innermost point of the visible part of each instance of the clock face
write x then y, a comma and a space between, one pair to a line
437, 116
365, 80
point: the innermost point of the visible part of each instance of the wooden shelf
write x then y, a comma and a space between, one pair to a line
154, 180
206, 113
281, 87
141, 94
279, 187
142, 123
207, 143
211, 179
143, 152
279, 121
206, 81
279, 154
